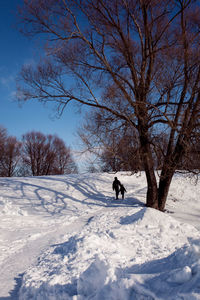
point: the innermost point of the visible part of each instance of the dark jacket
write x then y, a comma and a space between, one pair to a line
122, 189
116, 185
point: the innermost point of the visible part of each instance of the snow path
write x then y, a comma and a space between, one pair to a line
35, 214
24, 246
63, 237
24, 250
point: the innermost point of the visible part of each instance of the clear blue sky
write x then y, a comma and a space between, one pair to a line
15, 50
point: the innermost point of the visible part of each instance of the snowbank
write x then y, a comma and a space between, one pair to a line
65, 237
120, 254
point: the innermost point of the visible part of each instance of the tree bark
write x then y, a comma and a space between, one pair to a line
146, 155
169, 167
164, 184
152, 192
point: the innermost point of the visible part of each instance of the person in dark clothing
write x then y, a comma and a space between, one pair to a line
122, 190
116, 187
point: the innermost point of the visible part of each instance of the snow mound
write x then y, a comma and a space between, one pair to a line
132, 254
181, 276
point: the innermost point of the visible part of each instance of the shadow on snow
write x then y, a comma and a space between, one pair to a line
55, 202
151, 280
14, 294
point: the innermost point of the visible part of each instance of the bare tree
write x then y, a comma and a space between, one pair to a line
63, 163
9, 153
136, 59
121, 154
191, 159
34, 152
114, 143
3, 137
10, 157
46, 155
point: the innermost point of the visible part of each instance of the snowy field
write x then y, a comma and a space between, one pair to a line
66, 237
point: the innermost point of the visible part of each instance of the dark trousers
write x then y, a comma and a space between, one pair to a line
117, 194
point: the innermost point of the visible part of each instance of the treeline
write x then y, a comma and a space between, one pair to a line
36, 154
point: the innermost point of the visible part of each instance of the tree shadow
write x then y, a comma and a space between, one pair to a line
166, 276
14, 294
55, 202
69, 247
133, 218
53, 195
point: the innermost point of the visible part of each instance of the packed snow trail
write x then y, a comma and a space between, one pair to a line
65, 237
35, 212
25, 248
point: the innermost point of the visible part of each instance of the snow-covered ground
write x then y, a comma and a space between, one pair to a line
66, 237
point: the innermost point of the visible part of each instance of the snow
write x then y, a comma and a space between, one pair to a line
66, 237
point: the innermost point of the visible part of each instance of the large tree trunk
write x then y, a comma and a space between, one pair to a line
152, 192
169, 167
164, 184
147, 159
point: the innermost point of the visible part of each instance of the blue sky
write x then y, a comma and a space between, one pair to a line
15, 50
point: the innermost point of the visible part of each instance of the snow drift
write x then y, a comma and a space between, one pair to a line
74, 241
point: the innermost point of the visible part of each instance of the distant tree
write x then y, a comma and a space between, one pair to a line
46, 154
34, 152
92, 168
115, 144
10, 157
138, 60
63, 163
23, 170
3, 137
191, 159
121, 154
9, 154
